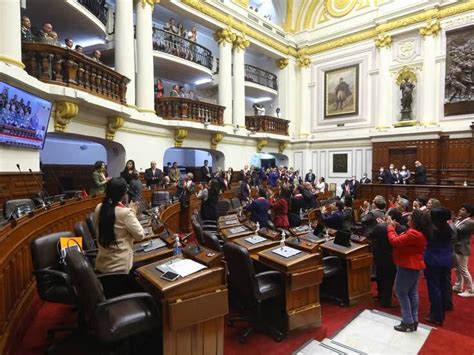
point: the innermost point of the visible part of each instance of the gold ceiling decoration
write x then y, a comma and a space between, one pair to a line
114, 124
224, 35
383, 40
431, 28
406, 74
282, 63
241, 42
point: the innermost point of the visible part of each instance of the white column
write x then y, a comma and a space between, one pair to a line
124, 44
225, 38
384, 97
286, 93
304, 116
145, 74
238, 82
10, 32
428, 102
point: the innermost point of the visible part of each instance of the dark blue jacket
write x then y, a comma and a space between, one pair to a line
439, 250
334, 220
259, 209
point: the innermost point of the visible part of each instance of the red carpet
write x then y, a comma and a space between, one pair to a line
455, 337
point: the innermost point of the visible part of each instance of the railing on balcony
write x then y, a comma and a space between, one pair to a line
97, 7
60, 66
266, 124
170, 43
260, 76
181, 109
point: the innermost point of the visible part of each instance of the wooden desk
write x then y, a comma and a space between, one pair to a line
151, 256
229, 223
192, 309
300, 230
303, 275
255, 248
269, 234
303, 244
227, 217
358, 263
230, 233
208, 257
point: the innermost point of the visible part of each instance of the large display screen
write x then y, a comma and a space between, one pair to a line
24, 117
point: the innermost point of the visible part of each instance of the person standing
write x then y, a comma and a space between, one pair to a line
206, 171
464, 227
365, 179
408, 249
280, 208
210, 197
420, 173
153, 175
175, 174
99, 178
259, 209
310, 177
135, 189
26, 34
127, 172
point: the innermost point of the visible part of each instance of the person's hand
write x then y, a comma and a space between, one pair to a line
380, 220
108, 178
390, 221
365, 204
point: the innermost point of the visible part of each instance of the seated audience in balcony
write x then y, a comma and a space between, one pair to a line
69, 43
192, 96
159, 89
259, 110
96, 56
175, 91
55, 39
26, 34
127, 172
181, 92
78, 48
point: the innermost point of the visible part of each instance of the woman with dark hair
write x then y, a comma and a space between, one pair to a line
128, 171
135, 189
209, 200
296, 204
99, 178
280, 209
117, 227
244, 190
439, 260
259, 208
408, 249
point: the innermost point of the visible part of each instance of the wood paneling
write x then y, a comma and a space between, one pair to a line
15, 185
70, 177
451, 197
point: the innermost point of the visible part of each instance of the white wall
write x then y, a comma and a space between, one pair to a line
10, 156
72, 152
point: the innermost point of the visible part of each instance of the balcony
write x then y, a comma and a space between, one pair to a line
181, 109
181, 47
97, 7
261, 77
266, 124
60, 66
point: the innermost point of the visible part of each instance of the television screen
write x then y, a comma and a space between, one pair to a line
24, 117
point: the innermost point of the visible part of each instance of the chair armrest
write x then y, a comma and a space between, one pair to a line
111, 274
59, 274
269, 273
327, 258
207, 228
126, 297
91, 252
209, 221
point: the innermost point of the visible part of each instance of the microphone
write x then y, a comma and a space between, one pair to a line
46, 201
57, 181
23, 179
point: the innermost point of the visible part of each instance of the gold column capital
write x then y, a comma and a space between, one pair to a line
431, 28
383, 40
282, 63
282, 146
261, 143
63, 113
224, 35
114, 124
216, 138
303, 61
179, 135
144, 3
241, 42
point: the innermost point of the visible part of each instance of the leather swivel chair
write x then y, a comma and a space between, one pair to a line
334, 285
197, 229
160, 198
206, 224
110, 321
211, 241
252, 289
88, 243
223, 206
90, 225
236, 203
17, 208
52, 282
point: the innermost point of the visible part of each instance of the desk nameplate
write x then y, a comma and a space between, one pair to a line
304, 245
297, 263
255, 248
228, 234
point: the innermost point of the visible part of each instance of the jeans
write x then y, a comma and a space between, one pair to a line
406, 288
436, 281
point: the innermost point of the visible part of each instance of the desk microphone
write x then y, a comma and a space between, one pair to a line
57, 181
23, 179
43, 189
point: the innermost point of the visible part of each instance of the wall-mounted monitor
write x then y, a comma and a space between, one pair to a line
24, 117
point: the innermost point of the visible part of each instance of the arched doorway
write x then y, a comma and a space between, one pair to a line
191, 159
67, 160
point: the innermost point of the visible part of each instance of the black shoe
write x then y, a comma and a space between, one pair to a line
415, 326
405, 327
433, 321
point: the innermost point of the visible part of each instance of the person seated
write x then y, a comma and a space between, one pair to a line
26, 34
69, 43
96, 55
280, 209
55, 39
78, 48
192, 96
118, 228
259, 209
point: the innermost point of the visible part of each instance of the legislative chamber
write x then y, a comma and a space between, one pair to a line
236, 176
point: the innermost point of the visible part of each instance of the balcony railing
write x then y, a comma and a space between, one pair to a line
170, 43
178, 108
97, 7
266, 124
60, 66
260, 76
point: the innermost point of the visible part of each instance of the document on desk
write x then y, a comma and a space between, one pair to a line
255, 239
185, 267
232, 221
286, 252
236, 230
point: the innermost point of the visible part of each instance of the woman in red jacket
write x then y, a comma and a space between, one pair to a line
280, 209
408, 249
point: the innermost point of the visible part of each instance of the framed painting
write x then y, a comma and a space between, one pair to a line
339, 163
341, 92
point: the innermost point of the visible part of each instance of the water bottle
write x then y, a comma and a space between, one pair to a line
257, 225
177, 246
282, 240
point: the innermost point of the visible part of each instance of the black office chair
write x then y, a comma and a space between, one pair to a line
90, 225
17, 208
197, 229
334, 285
206, 224
236, 203
211, 241
223, 207
52, 283
160, 198
110, 321
251, 289
88, 243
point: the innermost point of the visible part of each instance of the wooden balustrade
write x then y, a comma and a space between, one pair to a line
61, 66
267, 124
181, 109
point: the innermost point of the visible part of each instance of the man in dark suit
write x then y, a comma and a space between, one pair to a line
365, 179
153, 175
310, 177
206, 171
385, 269
354, 186
420, 173
372, 212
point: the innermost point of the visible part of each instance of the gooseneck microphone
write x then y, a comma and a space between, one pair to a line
46, 201
24, 181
